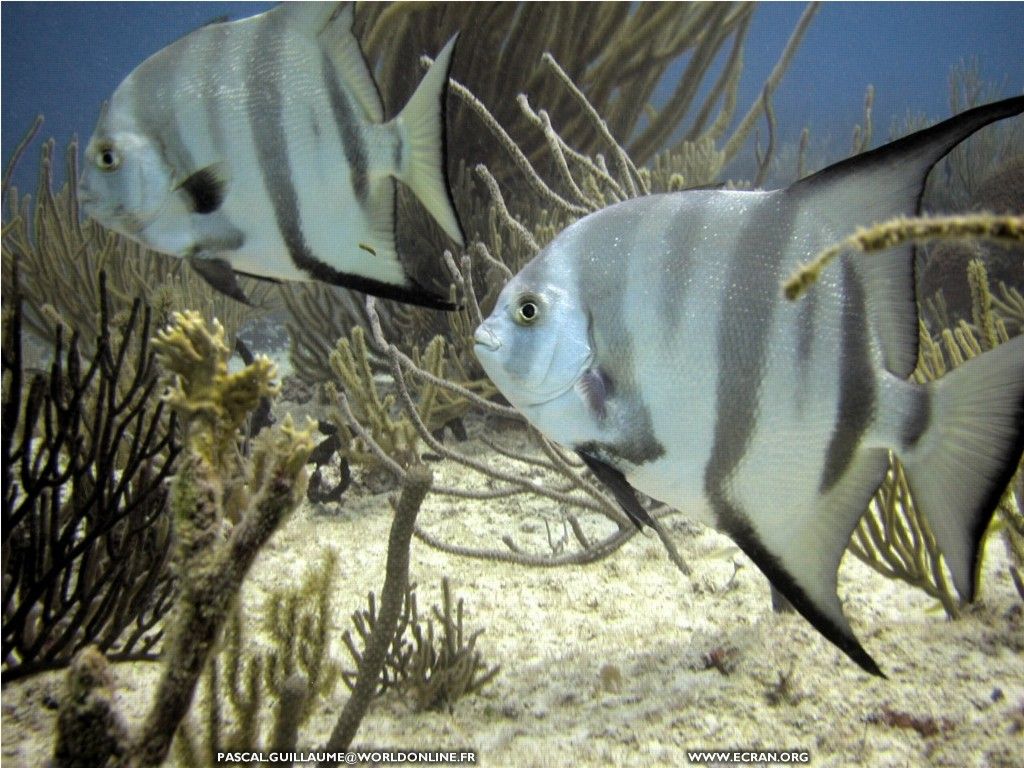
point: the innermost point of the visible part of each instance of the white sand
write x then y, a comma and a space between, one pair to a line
633, 614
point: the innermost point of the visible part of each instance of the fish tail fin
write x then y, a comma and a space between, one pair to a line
421, 125
963, 460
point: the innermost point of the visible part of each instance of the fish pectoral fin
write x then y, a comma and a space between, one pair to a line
623, 492
594, 390
204, 190
221, 277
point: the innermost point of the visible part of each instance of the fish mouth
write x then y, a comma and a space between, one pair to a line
485, 337
87, 199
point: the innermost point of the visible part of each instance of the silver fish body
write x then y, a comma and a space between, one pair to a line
259, 146
652, 337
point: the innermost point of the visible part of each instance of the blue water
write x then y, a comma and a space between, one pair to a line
64, 59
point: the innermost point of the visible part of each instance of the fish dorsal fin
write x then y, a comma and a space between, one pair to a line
306, 18
343, 50
330, 24
877, 185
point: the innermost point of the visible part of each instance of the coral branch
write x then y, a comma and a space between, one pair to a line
901, 230
414, 489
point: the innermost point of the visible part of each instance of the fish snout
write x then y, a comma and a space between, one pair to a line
485, 337
86, 197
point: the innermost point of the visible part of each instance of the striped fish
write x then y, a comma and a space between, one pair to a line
259, 147
652, 337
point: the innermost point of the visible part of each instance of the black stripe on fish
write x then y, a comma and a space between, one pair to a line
680, 246
153, 101
742, 347
744, 325
211, 73
265, 106
857, 397
805, 332
348, 129
612, 338
736, 524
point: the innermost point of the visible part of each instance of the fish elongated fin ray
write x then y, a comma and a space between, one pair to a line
962, 463
623, 492
877, 185
221, 277
421, 125
800, 551
339, 41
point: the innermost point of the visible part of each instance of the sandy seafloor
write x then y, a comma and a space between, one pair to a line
605, 664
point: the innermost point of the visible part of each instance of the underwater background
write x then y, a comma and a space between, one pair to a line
64, 59
526, 621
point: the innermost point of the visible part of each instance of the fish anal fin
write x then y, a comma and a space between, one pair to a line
799, 552
220, 276
623, 492
407, 280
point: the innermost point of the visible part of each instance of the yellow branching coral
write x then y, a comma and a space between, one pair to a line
902, 230
378, 413
281, 452
215, 482
213, 401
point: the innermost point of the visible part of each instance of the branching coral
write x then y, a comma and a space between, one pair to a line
391, 429
432, 672
211, 557
90, 730
901, 230
618, 63
87, 451
245, 681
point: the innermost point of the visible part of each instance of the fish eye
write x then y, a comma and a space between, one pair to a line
527, 310
107, 158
